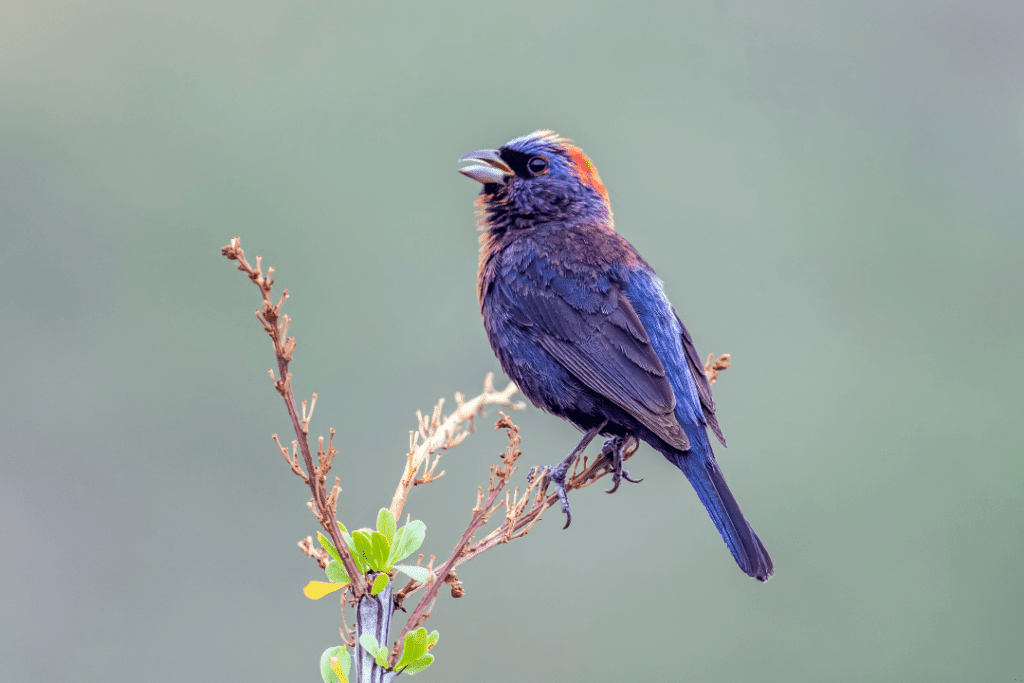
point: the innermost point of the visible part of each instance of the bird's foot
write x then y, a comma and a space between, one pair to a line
615, 449
558, 474
557, 477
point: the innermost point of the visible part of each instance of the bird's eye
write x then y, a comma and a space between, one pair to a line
537, 165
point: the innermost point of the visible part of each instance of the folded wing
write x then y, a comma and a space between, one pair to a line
593, 331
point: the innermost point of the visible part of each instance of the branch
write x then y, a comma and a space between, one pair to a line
522, 512
276, 325
483, 510
440, 435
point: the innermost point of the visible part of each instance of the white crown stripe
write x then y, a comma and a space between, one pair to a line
546, 136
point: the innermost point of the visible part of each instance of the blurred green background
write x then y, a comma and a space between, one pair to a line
831, 191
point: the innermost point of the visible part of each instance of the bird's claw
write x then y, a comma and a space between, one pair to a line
563, 496
625, 475
557, 475
614, 448
552, 476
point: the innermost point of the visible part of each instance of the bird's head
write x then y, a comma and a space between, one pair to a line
539, 177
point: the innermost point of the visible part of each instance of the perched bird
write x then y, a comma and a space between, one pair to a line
581, 323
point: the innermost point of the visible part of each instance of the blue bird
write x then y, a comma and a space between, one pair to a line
579, 320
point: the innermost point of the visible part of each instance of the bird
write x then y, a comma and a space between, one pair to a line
581, 322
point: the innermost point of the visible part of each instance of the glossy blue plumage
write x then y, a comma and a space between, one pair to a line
582, 324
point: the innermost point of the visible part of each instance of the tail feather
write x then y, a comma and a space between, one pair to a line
706, 478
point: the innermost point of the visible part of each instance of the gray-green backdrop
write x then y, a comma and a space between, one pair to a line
832, 192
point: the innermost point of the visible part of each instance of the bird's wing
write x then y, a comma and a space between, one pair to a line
594, 332
707, 403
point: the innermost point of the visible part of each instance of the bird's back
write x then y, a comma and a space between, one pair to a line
558, 295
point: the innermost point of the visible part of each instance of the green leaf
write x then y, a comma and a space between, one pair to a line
360, 564
369, 643
360, 561
382, 657
421, 574
328, 546
432, 639
364, 547
386, 524
412, 539
396, 544
327, 671
419, 665
379, 583
415, 647
381, 550
336, 572
419, 639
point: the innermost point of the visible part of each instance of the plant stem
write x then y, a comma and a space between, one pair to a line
373, 617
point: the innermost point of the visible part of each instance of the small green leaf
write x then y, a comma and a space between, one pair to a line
379, 583
327, 671
432, 639
381, 549
345, 534
328, 546
412, 539
382, 657
364, 546
396, 545
336, 573
360, 565
419, 665
415, 647
357, 557
421, 574
386, 524
369, 643
419, 640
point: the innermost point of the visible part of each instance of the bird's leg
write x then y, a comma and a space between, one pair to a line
558, 474
615, 448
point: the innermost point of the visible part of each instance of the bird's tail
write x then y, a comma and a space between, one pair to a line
707, 480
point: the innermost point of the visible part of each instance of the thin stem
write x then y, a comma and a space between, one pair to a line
276, 326
438, 435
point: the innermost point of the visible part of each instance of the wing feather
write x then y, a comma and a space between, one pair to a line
593, 331
707, 403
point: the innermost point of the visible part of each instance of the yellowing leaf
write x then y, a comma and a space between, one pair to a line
315, 590
336, 668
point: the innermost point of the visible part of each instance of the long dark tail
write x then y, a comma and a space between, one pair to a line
707, 480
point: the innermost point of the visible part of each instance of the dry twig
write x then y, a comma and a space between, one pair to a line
322, 505
439, 434
712, 366
522, 512
500, 474
318, 554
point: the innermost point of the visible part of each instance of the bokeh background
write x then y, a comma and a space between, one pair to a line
832, 192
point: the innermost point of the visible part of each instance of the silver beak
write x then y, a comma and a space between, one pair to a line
489, 169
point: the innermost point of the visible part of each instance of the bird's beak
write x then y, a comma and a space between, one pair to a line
489, 167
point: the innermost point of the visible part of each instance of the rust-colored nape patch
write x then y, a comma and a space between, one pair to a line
586, 170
